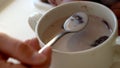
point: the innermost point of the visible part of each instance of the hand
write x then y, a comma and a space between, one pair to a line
25, 52
116, 9
58, 2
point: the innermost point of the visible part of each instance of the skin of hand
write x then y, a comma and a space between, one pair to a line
26, 52
57, 2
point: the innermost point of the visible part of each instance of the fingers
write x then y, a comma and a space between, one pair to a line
27, 55
34, 43
48, 53
58, 2
46, 64
21, 51
53, 2
4, 64
3, 56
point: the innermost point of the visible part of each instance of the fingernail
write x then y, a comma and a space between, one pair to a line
39, 58
47, 51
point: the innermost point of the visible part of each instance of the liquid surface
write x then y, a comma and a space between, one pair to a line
96, 32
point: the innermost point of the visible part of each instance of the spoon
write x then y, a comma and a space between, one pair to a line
74, 23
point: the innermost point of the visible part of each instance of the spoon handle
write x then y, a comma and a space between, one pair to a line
51, 42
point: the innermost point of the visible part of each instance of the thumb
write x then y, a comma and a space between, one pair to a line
47, 62
21, 51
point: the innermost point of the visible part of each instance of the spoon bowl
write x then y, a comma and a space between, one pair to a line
74, 23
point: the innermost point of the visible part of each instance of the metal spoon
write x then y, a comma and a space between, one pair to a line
74, 23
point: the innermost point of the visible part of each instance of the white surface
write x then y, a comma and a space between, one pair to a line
14, 18
14, 21
44, 6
